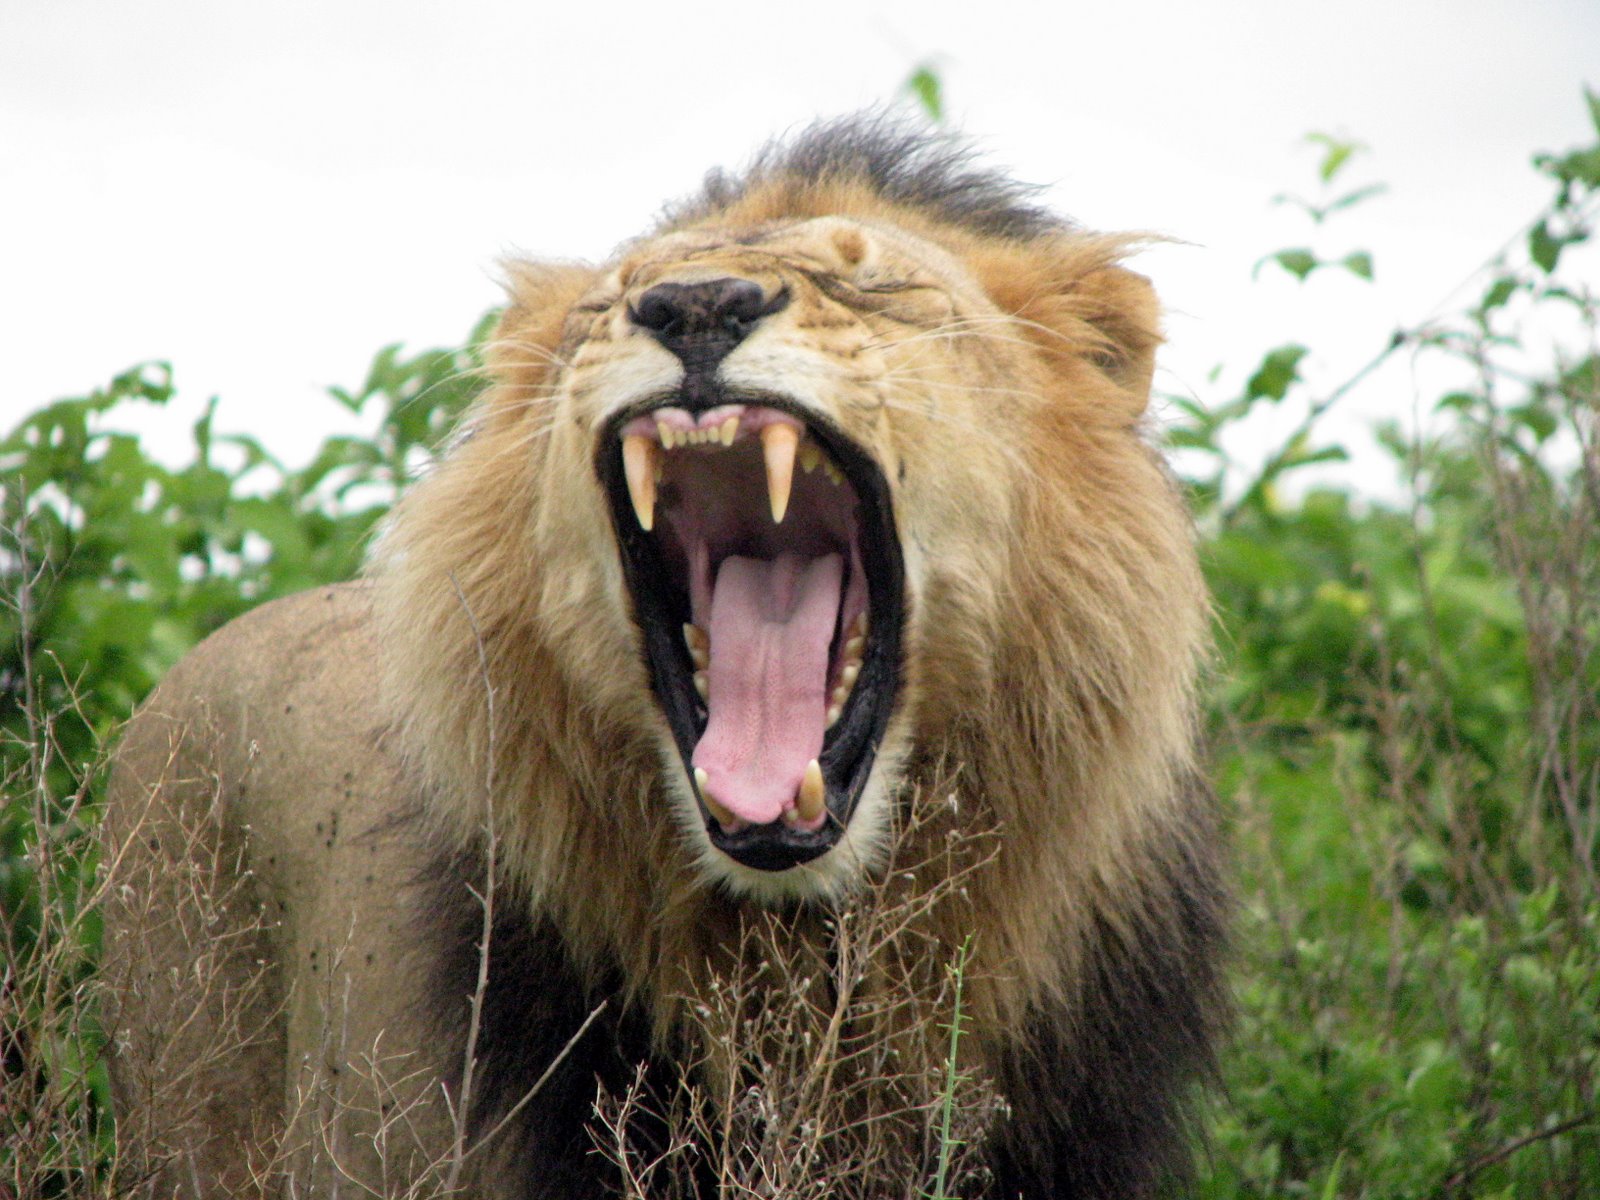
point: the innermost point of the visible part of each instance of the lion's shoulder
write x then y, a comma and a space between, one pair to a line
277, 694
278, 647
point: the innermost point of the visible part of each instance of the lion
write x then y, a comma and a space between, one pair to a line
833, 488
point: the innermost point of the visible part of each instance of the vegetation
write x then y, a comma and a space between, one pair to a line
1406, 724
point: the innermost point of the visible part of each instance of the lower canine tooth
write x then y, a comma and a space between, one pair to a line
778, 444
812, 793
715, 809
639, 463
699, 645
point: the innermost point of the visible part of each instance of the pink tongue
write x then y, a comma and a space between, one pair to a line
771, 627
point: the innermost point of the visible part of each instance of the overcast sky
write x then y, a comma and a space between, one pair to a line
266, 193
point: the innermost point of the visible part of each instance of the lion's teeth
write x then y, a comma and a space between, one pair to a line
847, 677
702, 684
835, 711
695, 637
853, 647
666, 435
728, 430
810, 456
835, 476
715, 809
778, 442
812, 793
639, 462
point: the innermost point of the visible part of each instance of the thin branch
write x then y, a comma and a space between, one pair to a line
1512, 1147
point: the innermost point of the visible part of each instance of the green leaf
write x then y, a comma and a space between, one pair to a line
1499, 292
1594, 108
1536, 418
924, 84
1544, 247
1337, 152
1298, 262
1358, 262
1351, 199
1278, 371
1302, 455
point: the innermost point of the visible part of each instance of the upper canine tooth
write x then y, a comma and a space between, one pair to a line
639, 463
778, 444
728, 430
812, 792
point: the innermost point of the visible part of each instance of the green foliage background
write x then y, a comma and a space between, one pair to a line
1406, 722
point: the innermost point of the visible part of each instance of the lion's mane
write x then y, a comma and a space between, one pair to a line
1053, 633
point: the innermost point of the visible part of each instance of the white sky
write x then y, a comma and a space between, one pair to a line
267, 193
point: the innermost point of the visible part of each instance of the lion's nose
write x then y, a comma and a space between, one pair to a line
702, 322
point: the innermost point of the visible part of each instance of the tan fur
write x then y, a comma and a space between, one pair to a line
1055, 613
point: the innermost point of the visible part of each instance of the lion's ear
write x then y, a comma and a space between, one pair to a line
1077, 302
1122, 307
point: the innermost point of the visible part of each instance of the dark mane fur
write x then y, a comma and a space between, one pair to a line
932, 170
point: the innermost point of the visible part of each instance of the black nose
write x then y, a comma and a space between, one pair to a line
702, 322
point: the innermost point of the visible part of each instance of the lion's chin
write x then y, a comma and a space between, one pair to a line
856, 851
759, 548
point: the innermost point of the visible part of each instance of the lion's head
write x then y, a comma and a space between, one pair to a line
836, 476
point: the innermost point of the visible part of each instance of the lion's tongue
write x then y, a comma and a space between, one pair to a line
771, 627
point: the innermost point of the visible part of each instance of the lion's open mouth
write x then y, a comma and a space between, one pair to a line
761, 555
